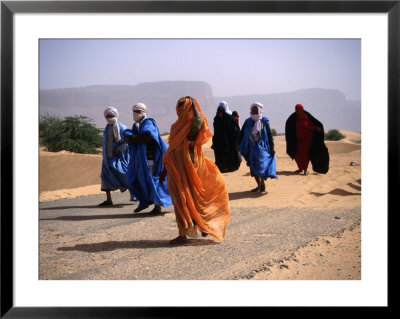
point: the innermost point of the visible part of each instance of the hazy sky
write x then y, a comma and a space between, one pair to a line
231, 67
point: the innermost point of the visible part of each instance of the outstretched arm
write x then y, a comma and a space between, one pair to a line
138, 139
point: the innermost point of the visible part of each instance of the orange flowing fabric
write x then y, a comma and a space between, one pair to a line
197, 189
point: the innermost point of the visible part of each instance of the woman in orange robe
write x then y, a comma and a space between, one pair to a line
196, 186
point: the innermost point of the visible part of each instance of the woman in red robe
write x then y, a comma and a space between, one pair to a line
304, 134
305, 141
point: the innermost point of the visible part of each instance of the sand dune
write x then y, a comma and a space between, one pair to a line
66, 174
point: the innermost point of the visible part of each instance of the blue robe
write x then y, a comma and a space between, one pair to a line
114, 169
147, 187
257, 150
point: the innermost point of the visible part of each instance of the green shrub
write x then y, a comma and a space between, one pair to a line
334, 135
47, 123
74, 133
274, 132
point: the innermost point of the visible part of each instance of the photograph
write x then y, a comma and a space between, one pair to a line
159, 155
146, 144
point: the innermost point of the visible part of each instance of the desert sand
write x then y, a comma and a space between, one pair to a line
66, 175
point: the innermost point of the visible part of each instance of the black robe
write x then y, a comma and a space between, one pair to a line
226, 131
318, 154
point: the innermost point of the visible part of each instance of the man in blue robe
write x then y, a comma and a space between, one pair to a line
147, 149
256, 144
115, 157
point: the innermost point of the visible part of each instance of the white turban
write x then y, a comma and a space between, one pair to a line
113, 121
257, 117
111, 111
139, 107
225, 106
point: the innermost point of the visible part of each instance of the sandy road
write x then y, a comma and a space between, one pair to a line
79, 240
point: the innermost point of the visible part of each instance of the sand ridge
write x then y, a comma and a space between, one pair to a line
69, 175
65, 174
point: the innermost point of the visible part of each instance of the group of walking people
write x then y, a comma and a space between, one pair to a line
179, 173
254, 141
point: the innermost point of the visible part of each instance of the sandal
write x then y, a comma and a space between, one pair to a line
256, 189
105, 203
179, 240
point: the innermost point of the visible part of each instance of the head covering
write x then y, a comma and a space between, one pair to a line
220, 109
299, 107
111, 111
183, 107
301, 117
139, 107
113, 121
256, 117
181, 128
235, 115
225, 105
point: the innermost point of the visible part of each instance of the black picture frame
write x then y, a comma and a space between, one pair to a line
9, 8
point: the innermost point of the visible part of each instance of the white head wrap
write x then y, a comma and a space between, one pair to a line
111, 111
139, 107
225, 105
257, 117
113, 121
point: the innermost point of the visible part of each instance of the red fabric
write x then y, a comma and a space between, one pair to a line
299, 107
304, 134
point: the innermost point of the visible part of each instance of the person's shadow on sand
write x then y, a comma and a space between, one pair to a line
337, 192
245, 194
139, 244
114, 216
291, 173
86, 206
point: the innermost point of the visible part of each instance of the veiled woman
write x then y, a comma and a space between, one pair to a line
196, 186
305, 141
226, 132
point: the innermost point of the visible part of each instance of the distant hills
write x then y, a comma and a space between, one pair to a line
329, 106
